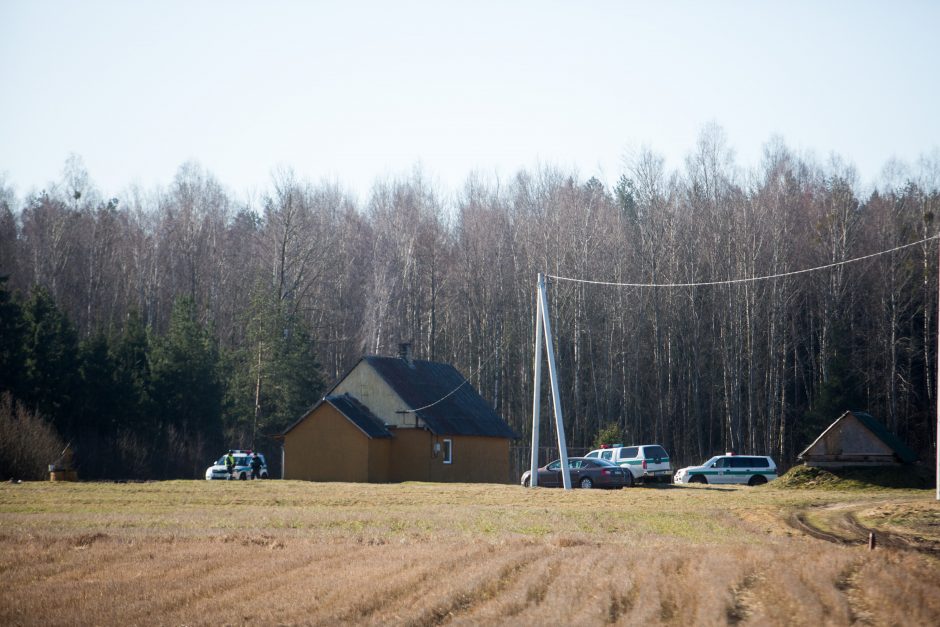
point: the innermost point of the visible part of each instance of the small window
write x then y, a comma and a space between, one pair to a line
448, 452
629, 452
723, 462
606, 454
741, 462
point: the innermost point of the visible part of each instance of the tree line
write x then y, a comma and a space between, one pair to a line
183, 320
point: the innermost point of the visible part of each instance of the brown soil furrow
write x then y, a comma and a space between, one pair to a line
306, 576
402, 583
399, 580
846, 583
742, 600
513, 593
349, 585
63, 560
249, 583
583, 583
487, 580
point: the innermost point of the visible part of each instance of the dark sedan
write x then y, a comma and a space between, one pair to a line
585, 473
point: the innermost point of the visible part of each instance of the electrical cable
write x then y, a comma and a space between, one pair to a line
658, 285
744, 280
454, 391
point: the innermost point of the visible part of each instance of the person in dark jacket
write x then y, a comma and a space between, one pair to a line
255, 466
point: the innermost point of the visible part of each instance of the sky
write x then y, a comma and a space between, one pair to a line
353, 92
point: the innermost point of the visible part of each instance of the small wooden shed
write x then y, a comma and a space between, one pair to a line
393, 419
857, 439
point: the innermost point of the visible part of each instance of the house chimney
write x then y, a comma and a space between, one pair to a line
404, 352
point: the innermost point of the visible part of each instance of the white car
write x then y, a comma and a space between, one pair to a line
745, 469
242, 467
646, 462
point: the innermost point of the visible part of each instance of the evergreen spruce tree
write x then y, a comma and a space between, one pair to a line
51, 362
186, 393
12, 339
274, 376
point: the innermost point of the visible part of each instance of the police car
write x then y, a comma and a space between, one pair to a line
242, 467
646, 462
742, 469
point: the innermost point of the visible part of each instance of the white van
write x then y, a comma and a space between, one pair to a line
749, 469
647, 462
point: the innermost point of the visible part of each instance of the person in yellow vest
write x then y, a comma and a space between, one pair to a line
230, 464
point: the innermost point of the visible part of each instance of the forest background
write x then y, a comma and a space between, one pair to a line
152, 330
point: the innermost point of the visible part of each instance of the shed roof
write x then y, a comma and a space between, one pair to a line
904, 453
359, 414
354, 411
441, 397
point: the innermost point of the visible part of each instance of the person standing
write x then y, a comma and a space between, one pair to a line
230, 464
255, 466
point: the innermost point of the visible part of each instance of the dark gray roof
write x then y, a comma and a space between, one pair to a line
455, 407
904, 453
359, 415
354, 411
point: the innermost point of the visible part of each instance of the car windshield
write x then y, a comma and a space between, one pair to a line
712, 460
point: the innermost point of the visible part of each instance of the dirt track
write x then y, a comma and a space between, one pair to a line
839, 523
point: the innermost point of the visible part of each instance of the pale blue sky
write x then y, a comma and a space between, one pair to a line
354, 91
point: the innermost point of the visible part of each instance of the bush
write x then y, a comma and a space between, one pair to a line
28, 444
611, 434
907, 476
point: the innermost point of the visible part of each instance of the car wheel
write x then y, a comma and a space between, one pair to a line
698, 479
757, 480
526, 482
242, 477
264, 476
628, 480
586, 483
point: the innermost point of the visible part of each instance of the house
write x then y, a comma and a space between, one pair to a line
857, 439
393, 419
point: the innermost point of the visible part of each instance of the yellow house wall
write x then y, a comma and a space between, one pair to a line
379, 451
474, 459
365, 384
326, 446
410, 455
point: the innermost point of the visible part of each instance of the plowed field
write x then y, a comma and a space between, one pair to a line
277, 552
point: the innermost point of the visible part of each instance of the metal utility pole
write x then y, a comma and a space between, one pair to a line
937, 379
543, 324
537, 386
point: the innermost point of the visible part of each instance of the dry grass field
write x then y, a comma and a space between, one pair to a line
281, 552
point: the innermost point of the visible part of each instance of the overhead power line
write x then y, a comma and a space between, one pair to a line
747, 279
454, 391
